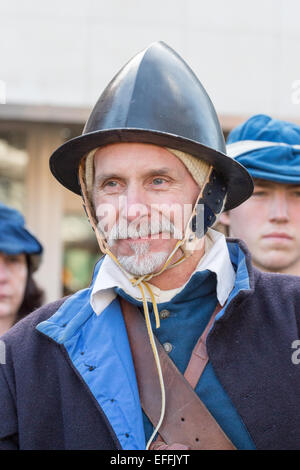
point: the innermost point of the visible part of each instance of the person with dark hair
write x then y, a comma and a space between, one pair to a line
20, 256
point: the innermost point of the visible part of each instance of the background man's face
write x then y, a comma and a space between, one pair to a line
138, 177
269, 223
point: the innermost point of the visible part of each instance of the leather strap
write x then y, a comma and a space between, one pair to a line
186, 419
199, 356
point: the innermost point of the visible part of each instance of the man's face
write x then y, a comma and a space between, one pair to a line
13, 277
143, 196
269, 223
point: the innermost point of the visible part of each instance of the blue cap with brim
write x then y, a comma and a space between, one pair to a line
268, 148
15, 238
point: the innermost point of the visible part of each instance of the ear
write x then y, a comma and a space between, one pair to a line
225, 218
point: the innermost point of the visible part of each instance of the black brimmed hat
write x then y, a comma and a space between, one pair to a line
157, 99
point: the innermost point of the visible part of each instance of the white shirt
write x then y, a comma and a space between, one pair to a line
216, 259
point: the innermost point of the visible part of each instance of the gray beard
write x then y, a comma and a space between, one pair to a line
142, 261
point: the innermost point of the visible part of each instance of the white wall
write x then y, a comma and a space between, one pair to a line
64, 52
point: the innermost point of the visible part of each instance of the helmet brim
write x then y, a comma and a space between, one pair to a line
64, 162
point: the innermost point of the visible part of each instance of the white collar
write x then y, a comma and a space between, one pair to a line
216, 259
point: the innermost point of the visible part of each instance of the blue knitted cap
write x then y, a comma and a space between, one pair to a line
268, 148
14, 237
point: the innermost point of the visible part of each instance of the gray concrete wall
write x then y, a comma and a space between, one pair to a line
63, 52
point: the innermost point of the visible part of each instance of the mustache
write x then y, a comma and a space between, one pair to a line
139, 228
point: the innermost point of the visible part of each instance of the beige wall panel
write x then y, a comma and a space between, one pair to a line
44, 208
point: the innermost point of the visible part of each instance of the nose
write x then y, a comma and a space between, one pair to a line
279, 211
136, 202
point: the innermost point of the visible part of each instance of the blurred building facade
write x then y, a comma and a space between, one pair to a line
58, 56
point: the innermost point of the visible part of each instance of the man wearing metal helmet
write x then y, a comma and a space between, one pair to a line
269, 220
90, 373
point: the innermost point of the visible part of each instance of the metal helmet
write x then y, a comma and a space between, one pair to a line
157, 99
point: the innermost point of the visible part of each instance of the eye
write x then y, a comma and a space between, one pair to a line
259, 192
111, 186
14, 258
158, 181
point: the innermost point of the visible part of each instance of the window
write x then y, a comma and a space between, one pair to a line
81, 253
13, 167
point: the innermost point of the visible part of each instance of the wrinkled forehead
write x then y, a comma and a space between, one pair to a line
126, 157
129, 157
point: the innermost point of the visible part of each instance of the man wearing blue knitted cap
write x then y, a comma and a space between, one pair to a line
269, 221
